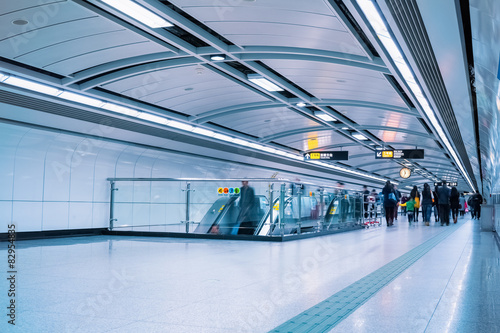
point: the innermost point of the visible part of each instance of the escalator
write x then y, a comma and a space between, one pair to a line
308, 223
222, 216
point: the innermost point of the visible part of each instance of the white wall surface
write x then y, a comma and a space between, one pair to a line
54, 181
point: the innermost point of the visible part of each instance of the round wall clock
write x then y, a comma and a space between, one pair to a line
405, 172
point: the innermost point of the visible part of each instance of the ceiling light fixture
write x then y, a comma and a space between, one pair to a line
323, 115
179, 125
120, 109
81, 99
30, 85
263, 82
345, 128
153, 118
359, 136
20, 22
378, 24
202, 131
218, 57
139, 13
301, 104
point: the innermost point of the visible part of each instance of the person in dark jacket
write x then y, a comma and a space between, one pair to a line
454, 203
389, 205
477, 200
444, 204
248, 210
426, 204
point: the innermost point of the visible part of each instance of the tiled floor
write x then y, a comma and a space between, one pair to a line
125, 284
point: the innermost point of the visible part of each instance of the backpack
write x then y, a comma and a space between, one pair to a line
392, 198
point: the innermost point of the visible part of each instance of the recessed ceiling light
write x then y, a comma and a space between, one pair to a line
263, 82
199, 70
345, 128
359, 136
218, 57
20, 22
301, 104
323, 115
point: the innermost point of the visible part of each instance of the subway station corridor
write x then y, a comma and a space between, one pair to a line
123, 284
225, 165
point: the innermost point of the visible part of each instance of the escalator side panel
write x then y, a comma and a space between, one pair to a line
212, 215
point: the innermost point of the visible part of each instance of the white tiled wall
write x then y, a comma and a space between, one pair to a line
53, 181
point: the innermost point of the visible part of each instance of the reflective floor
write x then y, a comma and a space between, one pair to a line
125, 284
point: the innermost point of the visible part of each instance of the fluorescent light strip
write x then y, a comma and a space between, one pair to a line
378, 24
48, 90
202, 131
31, 85
325, 117
120, 109
81, 99
263, 82
139, 13
153, 118
359, 136
180, 125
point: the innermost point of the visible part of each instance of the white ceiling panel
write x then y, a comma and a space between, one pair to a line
64, 37
327, 80
184, 89
304, 24
265, 122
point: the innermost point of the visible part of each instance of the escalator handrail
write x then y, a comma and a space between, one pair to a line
288, 199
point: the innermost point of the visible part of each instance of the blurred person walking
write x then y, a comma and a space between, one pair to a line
389, 202
454, 203
426, 204
444, 204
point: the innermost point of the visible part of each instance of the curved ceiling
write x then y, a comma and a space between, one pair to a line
321, 53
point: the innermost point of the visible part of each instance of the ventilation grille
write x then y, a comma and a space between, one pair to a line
409, 21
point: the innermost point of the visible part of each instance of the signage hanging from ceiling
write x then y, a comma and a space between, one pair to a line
327, 155
400, 154
449, 184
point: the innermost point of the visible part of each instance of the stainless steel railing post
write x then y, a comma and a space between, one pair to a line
188, 201
282, 209
271, 206
112, 206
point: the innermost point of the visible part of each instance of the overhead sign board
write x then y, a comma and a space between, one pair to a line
400, 154
449, 184
327, 155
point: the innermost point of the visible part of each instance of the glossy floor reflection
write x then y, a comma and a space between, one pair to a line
125, 284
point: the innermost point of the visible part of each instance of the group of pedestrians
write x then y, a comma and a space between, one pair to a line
442, 199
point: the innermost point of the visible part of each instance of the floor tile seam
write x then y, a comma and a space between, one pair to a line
449, 279
434, 240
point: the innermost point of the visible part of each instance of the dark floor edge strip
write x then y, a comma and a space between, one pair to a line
230, 237
27, 235
327, 314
